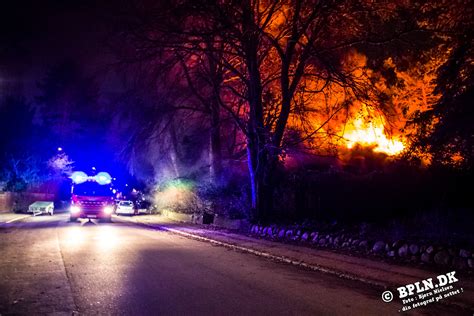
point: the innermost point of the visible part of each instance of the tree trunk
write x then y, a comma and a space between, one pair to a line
253, 182
261, 172
257, 149
174, 155
215, 148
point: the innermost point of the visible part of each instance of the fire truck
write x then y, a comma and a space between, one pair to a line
92, 196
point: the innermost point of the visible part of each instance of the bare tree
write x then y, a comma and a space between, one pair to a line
271, 56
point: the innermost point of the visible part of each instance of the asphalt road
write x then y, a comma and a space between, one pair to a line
51, 266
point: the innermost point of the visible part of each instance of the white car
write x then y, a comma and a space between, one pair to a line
125, 208
41, 207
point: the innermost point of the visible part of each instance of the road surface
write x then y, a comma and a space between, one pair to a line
51, 266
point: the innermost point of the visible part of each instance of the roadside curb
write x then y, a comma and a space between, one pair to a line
287, 260
17, 219
266, 255
275, 257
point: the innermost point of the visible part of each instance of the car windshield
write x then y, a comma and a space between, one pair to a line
126, 203
91, 188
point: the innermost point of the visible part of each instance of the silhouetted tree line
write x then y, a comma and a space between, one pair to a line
214, 88
264, 65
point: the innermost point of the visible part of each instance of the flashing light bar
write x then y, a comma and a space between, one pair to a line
81, 177
103, 178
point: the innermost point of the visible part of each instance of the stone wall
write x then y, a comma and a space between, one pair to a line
422, 253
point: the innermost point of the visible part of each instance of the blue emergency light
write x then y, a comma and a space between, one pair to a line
101, 178
79, 177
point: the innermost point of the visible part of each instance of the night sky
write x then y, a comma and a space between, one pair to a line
36, 35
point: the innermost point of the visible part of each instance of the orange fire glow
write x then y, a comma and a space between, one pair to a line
372, 133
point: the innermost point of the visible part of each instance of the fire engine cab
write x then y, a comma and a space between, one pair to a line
92, 196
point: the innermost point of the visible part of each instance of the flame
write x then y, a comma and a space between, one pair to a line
372, 133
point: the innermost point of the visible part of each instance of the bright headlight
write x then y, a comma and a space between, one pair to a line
75, 209
108, 210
